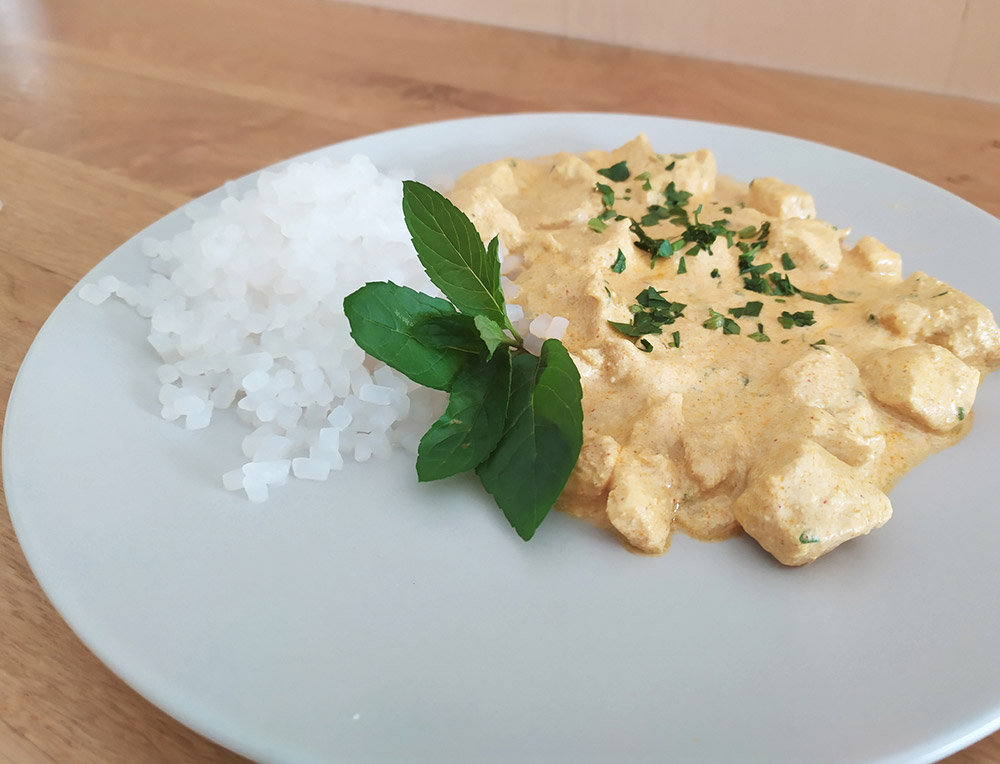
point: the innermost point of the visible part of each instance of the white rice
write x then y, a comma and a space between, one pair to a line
246, 313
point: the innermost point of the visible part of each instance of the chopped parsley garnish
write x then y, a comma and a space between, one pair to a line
616, 172
750, 309
786, 262
675, 198
650, 313
715, 273
619, 264
701, 236
819, 345
656, 248
677, 341
671, 166
656, 213
799, 318
598, 225
607, 194
747, 233
682, 266
718, 321
805, 538
759, 336
961, 413
644, 177
728, 210
826, 299
673, 210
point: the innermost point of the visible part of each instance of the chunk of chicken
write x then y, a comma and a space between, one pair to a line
642, 499
837, 412
923, 309
595, 465
873, 256
780, 200
926, 383
814, 246
801, 501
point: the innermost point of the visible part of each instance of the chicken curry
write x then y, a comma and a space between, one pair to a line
742, 368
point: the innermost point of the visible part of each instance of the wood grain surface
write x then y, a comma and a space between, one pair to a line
114, 112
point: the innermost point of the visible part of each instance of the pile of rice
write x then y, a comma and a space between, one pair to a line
246, 313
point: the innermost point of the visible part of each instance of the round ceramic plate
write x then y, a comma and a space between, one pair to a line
372, 619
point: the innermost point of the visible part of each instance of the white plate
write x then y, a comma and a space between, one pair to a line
372, 619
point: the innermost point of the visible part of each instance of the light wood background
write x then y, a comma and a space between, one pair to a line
114, 112
940, 46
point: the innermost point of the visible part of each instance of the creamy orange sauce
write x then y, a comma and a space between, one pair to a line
796, 439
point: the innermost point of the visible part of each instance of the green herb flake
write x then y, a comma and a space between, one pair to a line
826, 299
786, 262
650, 313
799, 318
961, 413
805, 538
682, 266
676, 339
751, 309
759, 336
728, 210
714, 321
607, 194
820, 345
616, 172
619, 264
597, 225
715, 273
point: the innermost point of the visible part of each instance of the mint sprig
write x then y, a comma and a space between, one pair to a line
515, 418
452, 253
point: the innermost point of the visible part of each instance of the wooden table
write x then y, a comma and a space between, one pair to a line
114, 112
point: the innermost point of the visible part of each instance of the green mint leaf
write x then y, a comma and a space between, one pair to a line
616, 172
541, 441
452, 252
471, 424
421, 336
491, 333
